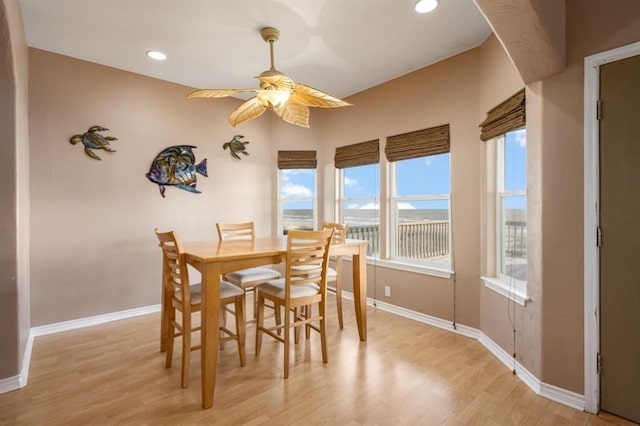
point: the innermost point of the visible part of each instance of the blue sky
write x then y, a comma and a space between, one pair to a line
419, 176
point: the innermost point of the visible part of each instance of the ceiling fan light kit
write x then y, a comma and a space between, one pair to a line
425, 6
277, 92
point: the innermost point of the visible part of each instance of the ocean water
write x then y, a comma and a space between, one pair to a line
367, 217
303, 218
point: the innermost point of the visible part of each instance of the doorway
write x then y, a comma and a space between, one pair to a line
612, 236
620, 238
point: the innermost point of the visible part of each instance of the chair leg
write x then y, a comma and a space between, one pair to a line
259, 321
186, 348
171, 335
339, 301
297, 312
307, 327
240, 328
255, 301
165, 321
287, 334
277, 313
223, 323
322, 307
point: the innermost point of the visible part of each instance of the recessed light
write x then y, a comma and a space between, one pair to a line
425, 6
158, 56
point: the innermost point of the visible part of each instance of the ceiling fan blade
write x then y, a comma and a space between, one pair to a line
294, 113
247, 111
217, 93
309, 96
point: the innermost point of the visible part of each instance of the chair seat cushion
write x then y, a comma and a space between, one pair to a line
229, 290
251, 275
331, 273
276, 288
226, 290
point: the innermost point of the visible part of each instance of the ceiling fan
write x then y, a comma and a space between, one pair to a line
289, 100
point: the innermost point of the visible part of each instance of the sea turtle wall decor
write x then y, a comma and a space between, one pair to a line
175, 166
236, 146
92, 139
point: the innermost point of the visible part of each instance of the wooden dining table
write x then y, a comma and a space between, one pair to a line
215, 258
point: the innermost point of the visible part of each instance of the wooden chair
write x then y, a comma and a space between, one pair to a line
298, 290
335, 275
246, 279
186, 299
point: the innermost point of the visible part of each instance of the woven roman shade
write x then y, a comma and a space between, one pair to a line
297, 160
507, 116
359, 154
420, 143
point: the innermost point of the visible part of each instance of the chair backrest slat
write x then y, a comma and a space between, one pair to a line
174, 266
309, 249
339, 231
236, 231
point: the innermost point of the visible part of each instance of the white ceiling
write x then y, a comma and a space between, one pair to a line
338, 46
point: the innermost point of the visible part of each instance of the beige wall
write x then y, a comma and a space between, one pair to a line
14, 191
93, 248
92, 245
592, 27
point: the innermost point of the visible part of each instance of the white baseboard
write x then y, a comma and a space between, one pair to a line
554, 393
10, 384
563, 396
16, 382
58, 327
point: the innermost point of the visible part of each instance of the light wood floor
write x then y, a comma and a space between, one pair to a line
407, 373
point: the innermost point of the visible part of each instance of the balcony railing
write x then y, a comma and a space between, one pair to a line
516, 239
370, 233
423, 240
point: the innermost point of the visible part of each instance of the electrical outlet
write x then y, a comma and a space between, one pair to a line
387, 291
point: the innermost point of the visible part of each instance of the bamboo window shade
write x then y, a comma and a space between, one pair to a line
420, 143
359, 154
297, 160
509, 115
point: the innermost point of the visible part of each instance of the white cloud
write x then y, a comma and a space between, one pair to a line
370, 206
290, 190
405, 206
350, 182
288, 174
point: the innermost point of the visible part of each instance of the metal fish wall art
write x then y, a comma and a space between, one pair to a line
236, 146
175, 166
92, 139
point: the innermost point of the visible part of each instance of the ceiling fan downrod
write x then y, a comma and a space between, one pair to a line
270, 35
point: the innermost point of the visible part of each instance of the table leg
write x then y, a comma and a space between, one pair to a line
360, 290
210, 325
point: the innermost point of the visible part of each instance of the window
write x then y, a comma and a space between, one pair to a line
359, 204
506, 208
511, 208
297, 190
420, 211
297, 199
508, 215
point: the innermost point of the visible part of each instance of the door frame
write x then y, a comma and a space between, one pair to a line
592, 66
